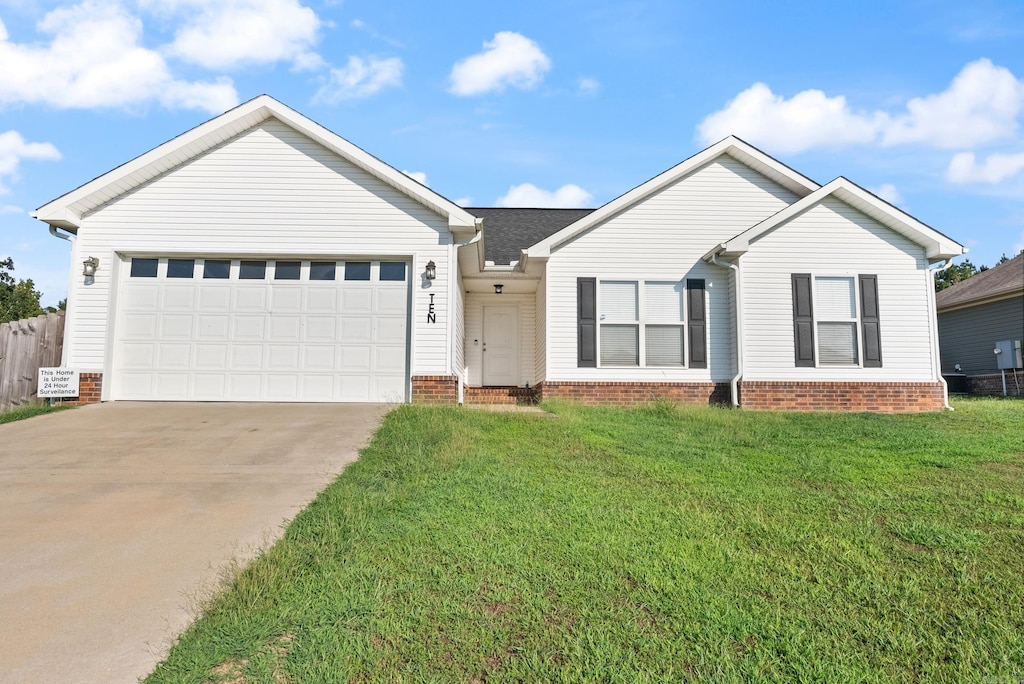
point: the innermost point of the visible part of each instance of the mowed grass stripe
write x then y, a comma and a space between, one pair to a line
650, 544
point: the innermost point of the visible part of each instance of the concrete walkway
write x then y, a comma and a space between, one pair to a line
116, 518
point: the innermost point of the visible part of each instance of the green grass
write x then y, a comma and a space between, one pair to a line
645, 545
30, 411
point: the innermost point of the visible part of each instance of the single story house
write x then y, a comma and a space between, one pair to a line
261, 257
974, 315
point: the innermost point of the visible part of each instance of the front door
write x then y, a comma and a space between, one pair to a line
501, 346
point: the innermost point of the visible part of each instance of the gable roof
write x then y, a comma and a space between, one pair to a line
67, 210
509, 231
997, 282
937, 246
734, 147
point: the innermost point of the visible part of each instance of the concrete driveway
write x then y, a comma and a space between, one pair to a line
115, 518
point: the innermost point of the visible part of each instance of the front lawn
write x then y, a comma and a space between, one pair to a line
30, 411
655, 544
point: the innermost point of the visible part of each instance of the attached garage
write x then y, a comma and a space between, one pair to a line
237, 329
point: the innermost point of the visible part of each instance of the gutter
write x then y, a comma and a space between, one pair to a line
734, 384
460, 373
935, 330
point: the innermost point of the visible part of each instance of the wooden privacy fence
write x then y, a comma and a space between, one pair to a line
25, 347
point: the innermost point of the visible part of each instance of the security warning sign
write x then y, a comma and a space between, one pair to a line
58, 382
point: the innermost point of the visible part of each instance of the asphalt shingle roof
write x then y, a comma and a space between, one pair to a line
508, 231
1004, 278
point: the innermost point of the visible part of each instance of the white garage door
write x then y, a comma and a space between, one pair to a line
262, 330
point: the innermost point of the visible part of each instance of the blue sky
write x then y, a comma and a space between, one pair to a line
555, 103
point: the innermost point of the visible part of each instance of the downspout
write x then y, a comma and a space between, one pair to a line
68, 321
460, 373
734, 384
935, 330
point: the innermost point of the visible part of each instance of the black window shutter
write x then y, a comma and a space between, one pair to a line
696, 317
803, 319
586, 322
869, 321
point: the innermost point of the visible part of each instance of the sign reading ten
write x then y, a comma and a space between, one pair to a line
58, 382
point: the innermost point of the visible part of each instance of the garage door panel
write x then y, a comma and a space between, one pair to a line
246, 356
178, 298
213, 328
317, 357
283, 357
246, 387
261, 340
322, 300
173, 355
287, 299
209, 386
140, 326
357, 300
285, 328
212, 356
214, 298
249, 328
138, 354
145, 296
391, 300
176, 326
252, 298
172, 385
321, 328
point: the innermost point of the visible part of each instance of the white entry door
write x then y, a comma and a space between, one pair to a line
501, 346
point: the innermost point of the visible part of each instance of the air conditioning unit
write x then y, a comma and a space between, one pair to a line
1008, 354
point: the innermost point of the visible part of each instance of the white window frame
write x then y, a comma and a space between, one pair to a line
642, 321
856, 320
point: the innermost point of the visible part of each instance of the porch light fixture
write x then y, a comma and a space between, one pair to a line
431, 270
497, 288
89, 267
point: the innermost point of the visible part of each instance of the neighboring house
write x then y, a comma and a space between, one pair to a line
974, 315
260, 257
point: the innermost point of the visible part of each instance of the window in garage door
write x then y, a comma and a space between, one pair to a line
262, 330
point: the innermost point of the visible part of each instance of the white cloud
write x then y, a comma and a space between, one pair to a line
95, 60
964, 168
588, 86
466, 201
228, 34
361, 78
889, 193
10, 209
13, 149
511, 59
809, 119
417, 176
981, 105
529, 195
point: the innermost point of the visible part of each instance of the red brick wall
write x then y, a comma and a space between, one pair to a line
435, 389
992, 385
90, 386
629, 393
881, 397
499, 395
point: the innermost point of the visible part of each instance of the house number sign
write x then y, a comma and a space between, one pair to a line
431, 316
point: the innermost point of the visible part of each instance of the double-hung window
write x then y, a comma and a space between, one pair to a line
623, 323
836, 320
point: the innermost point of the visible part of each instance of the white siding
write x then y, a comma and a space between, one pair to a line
832, 238
475, 303
662, 238
269, 191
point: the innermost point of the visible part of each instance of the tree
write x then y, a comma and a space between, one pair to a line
956, 273
18, 298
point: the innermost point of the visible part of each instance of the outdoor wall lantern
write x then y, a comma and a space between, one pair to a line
497, 288
431, 270
89, 267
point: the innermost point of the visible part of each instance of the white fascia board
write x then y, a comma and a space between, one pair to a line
937, 246
734, 147
206, 135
